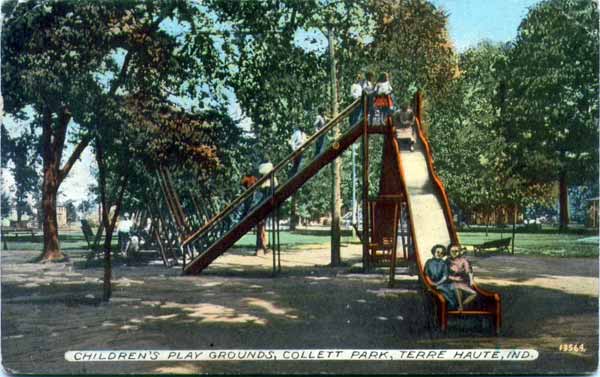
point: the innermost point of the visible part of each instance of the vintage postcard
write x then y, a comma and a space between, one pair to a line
246, 187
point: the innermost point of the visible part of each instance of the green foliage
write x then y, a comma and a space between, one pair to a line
468, 149
86, 206
280, 74
537, 244
71, 211
579, 201
22, 151
411, 43
552, 92
5, 205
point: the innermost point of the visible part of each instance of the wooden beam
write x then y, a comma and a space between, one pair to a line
281, 194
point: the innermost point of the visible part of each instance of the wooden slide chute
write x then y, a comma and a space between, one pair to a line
488, 303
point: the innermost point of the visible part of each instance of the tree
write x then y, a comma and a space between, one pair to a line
71, 211
62, 59
469, 150
5, 205
86, 206
24, 156
5, 149
280, 68
410, 41
551, 96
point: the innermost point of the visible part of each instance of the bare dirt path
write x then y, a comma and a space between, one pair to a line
49, 309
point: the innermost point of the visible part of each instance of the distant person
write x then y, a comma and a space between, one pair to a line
264, 169
247, 182
132, 247
266, 189
404, 122
297, 140
461, 276
369, 90
367, 83
383, 100
123, 231
383, 86
438, 272
318, 125
356, 92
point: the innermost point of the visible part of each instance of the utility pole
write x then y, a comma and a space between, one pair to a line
336, 166
354, 204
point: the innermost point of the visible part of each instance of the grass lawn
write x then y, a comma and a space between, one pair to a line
556, 245
298, 239
545, 244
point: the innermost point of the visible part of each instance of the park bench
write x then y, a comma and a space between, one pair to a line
500, 245
14, 234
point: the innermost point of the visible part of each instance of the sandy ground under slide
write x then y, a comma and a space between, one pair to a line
53, 308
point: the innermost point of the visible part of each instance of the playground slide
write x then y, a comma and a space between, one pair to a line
431, 223
283, 192
426, 207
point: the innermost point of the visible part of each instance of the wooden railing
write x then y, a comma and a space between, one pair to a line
267, 177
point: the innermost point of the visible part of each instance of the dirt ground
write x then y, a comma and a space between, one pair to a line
48, 309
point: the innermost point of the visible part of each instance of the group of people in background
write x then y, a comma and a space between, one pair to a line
379, 96
452, 274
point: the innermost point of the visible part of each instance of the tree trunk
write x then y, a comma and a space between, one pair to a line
107, 283
50, 225
514, 228
109, 224
563, 202
50, 189
293, 215
53, 145
487, 224
19, 209
336, 167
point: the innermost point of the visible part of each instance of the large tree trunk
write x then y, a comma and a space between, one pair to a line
53, 144
336, 167
563, 202
50, 189
50, 226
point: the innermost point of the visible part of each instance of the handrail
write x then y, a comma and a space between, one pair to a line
200, 232
283, 192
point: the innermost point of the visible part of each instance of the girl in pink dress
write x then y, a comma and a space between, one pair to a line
461, 275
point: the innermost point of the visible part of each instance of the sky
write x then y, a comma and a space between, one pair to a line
469, 22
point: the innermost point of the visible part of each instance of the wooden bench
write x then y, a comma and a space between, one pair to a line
15, 233
501, 245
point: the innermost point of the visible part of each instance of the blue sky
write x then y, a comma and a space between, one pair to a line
470, 21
